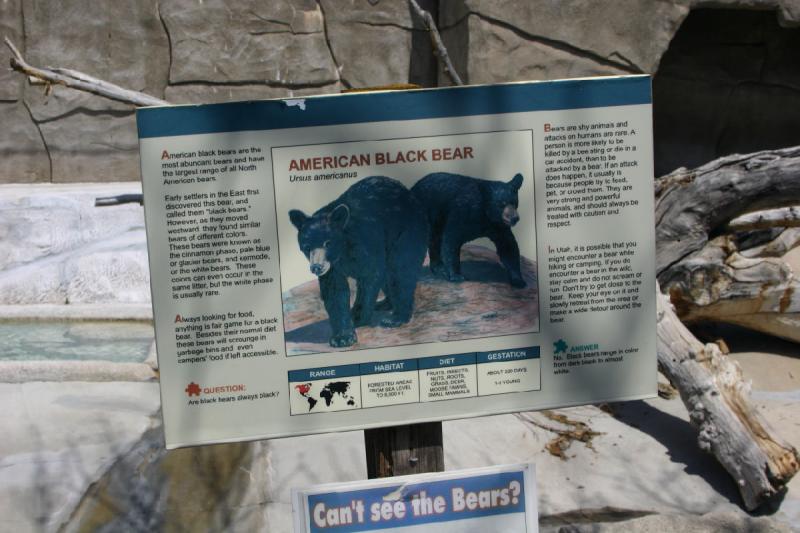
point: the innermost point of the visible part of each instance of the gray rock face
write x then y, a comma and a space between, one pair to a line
10, 26
279, 43
93, 146
192, 52
379, 43
589, 33
24, 155
733, 75
92, 138
498, 53
126, 45
63, 437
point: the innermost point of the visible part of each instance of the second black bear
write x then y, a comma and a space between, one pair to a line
461, 209
376, 232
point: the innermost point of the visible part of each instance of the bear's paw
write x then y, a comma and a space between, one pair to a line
518, 282
343, 340
391, 322
455, 278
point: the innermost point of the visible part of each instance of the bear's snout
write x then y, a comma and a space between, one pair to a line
510, 215
319, 262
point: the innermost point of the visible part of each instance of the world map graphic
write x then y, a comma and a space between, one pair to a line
329, 393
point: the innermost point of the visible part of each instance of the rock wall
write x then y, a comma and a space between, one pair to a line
189, 51
741, 71
186, 52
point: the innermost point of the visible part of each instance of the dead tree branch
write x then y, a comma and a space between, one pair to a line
730, 427
80, 81
692, 205
776, 247
436, 39
705, 256
787, 217
719, 284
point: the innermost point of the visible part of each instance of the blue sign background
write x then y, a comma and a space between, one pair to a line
432, 489
383, 106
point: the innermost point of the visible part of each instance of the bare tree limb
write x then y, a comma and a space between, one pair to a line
436, 39
80, 81
719, 284
787, 217
777, 247
718, 401
693, 205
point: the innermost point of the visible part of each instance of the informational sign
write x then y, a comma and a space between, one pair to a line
360, 260
480, 500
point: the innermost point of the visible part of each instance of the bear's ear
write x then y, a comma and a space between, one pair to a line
339, 216
516, 181
298, 218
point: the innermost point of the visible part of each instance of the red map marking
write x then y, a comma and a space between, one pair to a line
303, 388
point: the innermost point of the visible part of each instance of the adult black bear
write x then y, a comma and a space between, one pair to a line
376, 233
461, 209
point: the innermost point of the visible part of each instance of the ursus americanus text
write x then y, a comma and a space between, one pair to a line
377, 234
461, 209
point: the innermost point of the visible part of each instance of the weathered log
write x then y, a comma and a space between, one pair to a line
717, 283
786, 217
730, 427
777, 247
692, 205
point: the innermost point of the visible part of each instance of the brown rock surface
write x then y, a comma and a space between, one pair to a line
484, 305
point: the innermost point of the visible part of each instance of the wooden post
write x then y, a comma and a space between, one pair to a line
401, 450
409, 449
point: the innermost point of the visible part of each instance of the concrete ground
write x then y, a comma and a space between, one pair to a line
61, 440
58, 438
643, 463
